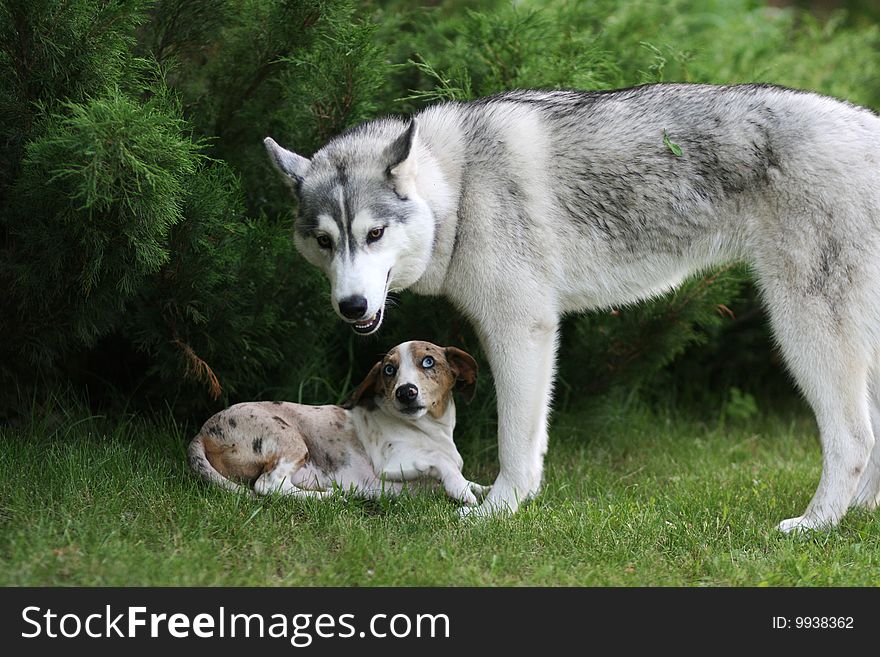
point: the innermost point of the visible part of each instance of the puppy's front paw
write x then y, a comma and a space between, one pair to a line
479, 490
467, 498
502, 500
485, 510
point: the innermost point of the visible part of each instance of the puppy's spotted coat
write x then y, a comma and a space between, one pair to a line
396, 427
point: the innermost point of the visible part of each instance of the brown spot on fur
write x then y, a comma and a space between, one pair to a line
272, 462
223, 459
280, 421
384, 384
465, 368
452, 368
231, 462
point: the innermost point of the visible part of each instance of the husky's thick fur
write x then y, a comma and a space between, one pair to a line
527, 205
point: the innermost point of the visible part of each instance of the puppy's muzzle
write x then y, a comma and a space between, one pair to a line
407, 396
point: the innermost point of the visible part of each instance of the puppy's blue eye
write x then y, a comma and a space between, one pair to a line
427, 362
389, 370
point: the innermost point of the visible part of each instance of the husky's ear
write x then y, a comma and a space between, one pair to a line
364, 393
465, 369
293, 167
401, 157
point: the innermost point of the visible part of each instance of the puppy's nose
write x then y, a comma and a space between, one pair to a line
407, 393
353, 307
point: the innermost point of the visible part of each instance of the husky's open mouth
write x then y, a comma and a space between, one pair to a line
367, 326
371, 325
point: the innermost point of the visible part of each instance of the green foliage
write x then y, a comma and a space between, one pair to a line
610, 43
630, 344
206, 322
145, 239
300, 71
91, 212
124, 247
56, 51
307, 111
517, 45
739, 406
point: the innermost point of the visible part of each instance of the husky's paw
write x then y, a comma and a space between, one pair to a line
802, 524
868, 497
867, 503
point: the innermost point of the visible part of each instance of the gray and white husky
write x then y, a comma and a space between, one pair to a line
526, 205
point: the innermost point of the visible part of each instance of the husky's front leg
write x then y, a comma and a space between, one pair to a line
522, 359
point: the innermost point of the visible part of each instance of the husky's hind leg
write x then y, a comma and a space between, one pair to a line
868, 491
838, 396
542, 437
828, 358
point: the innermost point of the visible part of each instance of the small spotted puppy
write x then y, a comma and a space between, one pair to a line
396, 427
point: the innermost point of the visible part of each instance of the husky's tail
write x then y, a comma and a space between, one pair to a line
200, 464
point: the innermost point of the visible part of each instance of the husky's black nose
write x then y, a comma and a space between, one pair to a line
353, 307
407, 393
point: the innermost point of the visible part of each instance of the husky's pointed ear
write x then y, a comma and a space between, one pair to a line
465, 369
363, 395
401, 156
293, 167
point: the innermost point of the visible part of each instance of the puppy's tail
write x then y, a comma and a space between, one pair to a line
200, 464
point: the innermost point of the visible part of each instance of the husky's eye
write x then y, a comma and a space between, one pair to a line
427, 362
376, 234
324, 241
390, 370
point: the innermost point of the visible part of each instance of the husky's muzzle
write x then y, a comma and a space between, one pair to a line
353, 308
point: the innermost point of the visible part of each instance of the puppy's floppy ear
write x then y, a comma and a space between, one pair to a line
364, 393
465, 369
401, 158
293, 167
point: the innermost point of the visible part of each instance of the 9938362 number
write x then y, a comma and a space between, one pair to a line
823, 622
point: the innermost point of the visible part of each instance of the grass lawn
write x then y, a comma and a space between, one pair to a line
633, 498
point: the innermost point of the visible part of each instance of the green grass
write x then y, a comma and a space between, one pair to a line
631, 498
